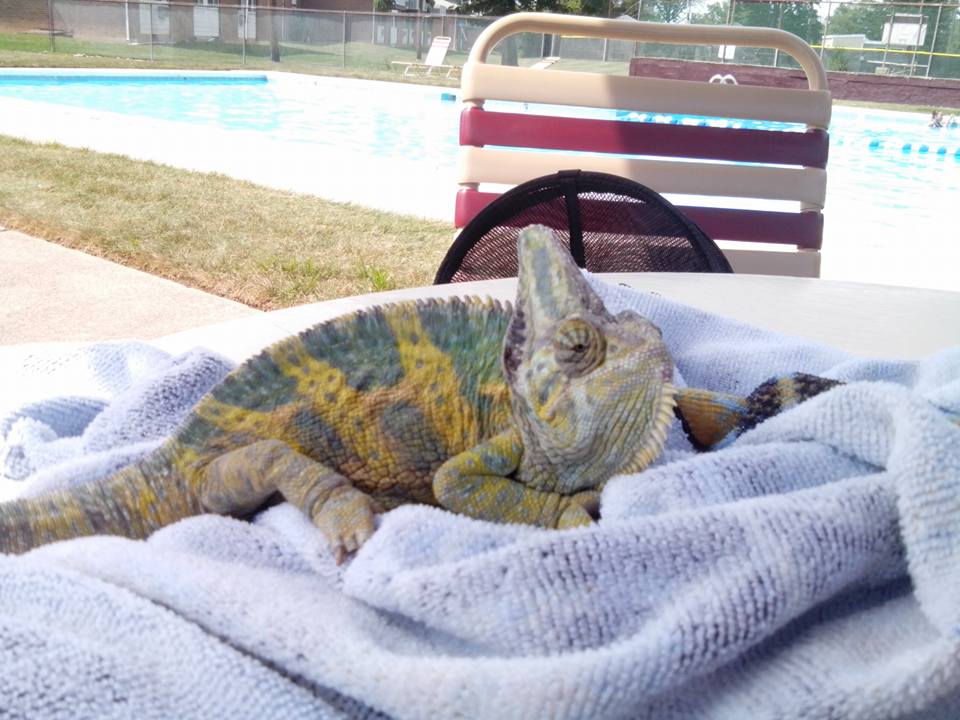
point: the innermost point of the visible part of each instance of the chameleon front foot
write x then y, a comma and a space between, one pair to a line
584, 509
240, 481
476, 483
347, 520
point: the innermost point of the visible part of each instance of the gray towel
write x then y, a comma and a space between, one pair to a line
810, 570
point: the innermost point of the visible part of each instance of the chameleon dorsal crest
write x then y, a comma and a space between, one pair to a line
591, 391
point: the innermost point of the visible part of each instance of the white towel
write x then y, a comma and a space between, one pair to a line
810, 570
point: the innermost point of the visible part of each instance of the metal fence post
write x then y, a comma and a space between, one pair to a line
243, 36
419, 31
53, 43
886, 48
150, 28
776, 51
343, 41
274, 39
933, 43
826, 27
730, 9
913, 55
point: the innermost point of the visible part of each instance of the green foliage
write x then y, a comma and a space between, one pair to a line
800, 18
506, 7
864, 18
838, 61
593, 8
714, 14
666, 11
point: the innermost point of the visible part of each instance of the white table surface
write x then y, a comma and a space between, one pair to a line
864, 319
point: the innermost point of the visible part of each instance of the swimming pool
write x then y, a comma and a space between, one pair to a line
891, 193
383, 124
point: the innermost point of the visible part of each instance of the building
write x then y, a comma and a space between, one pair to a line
23, 15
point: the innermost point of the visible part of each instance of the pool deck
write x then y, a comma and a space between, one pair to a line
52, 293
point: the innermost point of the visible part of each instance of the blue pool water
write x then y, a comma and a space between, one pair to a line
893, 182
384, 123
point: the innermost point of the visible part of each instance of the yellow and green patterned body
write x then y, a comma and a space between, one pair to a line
511, 415
382, 397
505, 414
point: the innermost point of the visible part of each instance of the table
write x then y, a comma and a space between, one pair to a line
863, 319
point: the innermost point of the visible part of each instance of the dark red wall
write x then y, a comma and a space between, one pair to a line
22, 15
930, 92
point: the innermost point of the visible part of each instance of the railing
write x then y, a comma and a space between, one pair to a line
847, 36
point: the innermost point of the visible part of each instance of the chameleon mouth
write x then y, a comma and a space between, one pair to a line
656, 433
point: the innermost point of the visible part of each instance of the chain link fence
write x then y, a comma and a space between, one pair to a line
892, 38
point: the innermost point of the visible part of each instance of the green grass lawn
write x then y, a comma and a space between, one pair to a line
266, 248
355, 59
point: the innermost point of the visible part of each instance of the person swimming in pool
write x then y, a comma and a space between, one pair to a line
936, 119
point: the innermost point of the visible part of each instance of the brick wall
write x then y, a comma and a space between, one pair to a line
22, 15
931, 92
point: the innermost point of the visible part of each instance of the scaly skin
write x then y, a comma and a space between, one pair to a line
507, 416
714, 420
510, 417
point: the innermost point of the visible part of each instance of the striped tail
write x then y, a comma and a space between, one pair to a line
714, 420
133, 502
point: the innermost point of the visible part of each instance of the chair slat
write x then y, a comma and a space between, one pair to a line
481, 127
511, 167
483, 82
803, 229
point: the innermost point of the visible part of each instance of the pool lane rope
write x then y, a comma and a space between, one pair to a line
919, 148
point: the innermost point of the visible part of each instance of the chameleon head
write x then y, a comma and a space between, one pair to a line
591, 391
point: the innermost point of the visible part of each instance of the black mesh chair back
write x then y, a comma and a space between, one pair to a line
610, 223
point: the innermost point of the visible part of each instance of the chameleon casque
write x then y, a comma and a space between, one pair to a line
514, 416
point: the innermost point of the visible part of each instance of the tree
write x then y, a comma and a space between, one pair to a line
864, 18
799, 18
508, 54
506, 7
714, 14
665, 11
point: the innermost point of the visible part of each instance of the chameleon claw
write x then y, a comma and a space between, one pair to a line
347, 520
589, 500
574, 516
350, 544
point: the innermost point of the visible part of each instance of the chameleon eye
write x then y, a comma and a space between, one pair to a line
579, 347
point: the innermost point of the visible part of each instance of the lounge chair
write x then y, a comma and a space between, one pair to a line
544, 63
764, 189
433, 60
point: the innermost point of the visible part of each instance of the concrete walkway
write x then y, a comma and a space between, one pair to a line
49, 292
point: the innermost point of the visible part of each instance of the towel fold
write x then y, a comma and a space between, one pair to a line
809, 570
